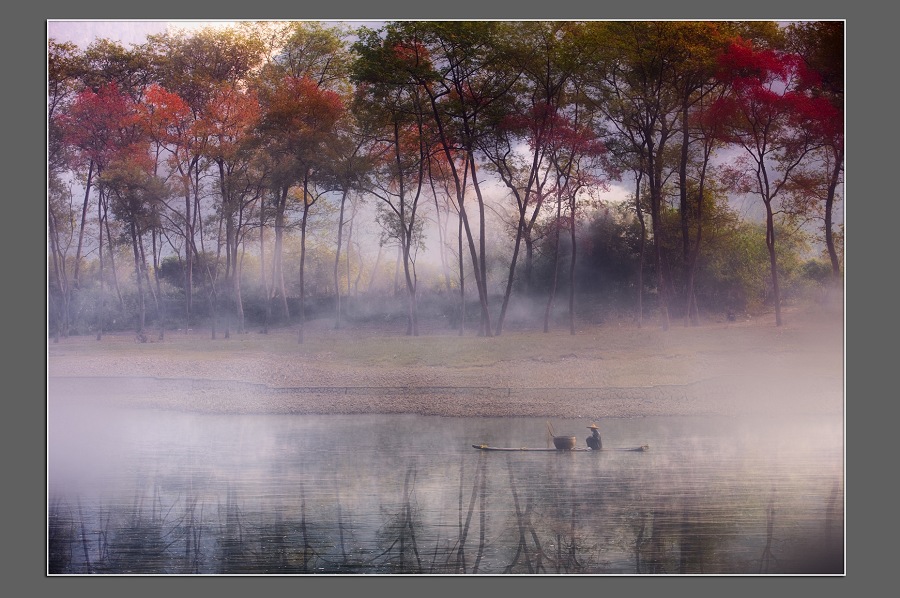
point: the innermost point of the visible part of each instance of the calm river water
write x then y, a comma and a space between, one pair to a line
150, 492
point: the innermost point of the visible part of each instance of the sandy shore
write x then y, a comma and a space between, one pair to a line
783, 371
722, 396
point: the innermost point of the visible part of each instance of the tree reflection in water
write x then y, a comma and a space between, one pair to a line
659, 513
399, 533
522, 544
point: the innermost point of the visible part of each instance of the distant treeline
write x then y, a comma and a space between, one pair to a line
272, 172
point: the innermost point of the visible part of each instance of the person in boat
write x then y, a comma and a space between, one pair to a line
593, 441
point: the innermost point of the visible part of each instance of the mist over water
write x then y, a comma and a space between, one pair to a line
143, 491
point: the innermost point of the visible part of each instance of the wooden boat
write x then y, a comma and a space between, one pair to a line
636, 449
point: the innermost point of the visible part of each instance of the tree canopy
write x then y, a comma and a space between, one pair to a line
255, 154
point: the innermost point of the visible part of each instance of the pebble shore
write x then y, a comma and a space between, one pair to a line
448, 395
748, 368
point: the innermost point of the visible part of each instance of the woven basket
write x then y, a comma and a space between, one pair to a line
565, 442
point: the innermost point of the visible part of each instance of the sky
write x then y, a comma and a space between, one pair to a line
83, 32
127, 32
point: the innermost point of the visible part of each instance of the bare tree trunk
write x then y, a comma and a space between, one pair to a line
410, 276
359, 268
84, 211
520, 226
442, 245
190, 217
355, 284
479, 260
683, 210
460, 184
240, 251
278, 258
213, 298
139, 276
188, 261
337, 261
462, 279
522, 234
829, 208
441, 228
303, 223
238, 296
397, 270
59, 271
693, 312
552, 297
572, 271
100, 250
661, 283
375, 270
773, 263
262, 267
654, 167
212, 273
145, 271
227, 220
302, 308
642, 250
160, 300
112, 256
529, 264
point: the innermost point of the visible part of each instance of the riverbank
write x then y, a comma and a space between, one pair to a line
615, 370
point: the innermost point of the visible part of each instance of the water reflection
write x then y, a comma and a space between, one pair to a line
145, 492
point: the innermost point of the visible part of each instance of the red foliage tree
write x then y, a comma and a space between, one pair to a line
227, 124
768, 116
298, 118
95, 127
821, 45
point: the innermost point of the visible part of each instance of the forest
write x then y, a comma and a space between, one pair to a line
479, 176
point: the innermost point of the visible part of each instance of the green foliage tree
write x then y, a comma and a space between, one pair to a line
398, 109
632, 81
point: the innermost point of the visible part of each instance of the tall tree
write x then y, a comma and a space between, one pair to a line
630, 80
310, 59
443, 192
64, 67
547, 58
93, 127
130, 181
198, 65
694, 80
231, 119
395, 107
626, 157
694, 66
349, 153
764, 114
60, 233
169, 124
298, 118
580, 169
457, 64
821, 46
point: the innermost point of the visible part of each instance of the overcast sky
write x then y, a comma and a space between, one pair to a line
129, 32
84, 32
